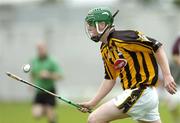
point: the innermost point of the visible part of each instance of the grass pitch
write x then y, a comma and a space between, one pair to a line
21, 113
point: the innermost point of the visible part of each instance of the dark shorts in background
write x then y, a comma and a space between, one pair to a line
45, 99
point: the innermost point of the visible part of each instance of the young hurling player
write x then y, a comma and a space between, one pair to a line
133, 57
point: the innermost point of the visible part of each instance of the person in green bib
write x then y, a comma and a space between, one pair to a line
45, 71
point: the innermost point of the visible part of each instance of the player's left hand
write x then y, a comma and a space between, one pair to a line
44, 74
86, 107
169, 84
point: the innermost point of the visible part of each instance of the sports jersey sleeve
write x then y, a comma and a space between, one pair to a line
148, 41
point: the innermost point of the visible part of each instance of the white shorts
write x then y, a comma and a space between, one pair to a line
145, 108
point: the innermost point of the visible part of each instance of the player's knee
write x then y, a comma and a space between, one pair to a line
92, 118
37, 115
37, 112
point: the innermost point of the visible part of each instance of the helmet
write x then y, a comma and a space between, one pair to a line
99, 15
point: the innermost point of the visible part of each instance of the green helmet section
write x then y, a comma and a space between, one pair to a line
99, 15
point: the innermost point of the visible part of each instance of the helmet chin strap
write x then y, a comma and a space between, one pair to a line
101, 33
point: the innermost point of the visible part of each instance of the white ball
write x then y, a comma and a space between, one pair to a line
26, 68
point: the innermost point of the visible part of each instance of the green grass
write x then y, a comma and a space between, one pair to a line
21, 113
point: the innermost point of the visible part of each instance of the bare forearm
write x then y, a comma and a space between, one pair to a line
169, 83
163, 61
104, 89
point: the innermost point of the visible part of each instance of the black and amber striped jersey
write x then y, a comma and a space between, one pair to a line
139, 52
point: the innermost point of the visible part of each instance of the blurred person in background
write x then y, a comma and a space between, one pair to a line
134, 58
45, 71
173, 102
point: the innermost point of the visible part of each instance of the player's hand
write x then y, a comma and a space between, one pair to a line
86, 107
169, 84
44, 74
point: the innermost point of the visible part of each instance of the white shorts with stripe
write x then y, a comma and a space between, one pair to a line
145, 108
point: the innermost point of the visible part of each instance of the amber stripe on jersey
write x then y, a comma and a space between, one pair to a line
141, 68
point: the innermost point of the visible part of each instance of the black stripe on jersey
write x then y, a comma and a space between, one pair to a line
155, 78
138, 43
145, 67
133, 37
113, 55
105, 57
128, 74
136, 65
102, 46
111, 61
122, 81
127, 35
115, 51
145, 70
108, 72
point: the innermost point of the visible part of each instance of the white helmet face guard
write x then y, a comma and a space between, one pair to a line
90, 30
